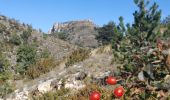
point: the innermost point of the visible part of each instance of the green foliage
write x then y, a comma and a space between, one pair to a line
26, 55
4, 63
111, 33
4, 68
43, 64
25, 35
140, 55
61, 35
2, 28
77, 56
15, 39
106, 33
6, 88
119, 33
145, 29
5, 74
146, 21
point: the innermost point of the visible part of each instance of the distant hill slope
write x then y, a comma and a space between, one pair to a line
10, 27
80, 32
65, 54
11, 39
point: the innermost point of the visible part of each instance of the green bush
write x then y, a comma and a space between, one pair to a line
4, 63
15, 39
5, 74
106, 33
26, 55
25, 35
62, 36
4, 71
6, 88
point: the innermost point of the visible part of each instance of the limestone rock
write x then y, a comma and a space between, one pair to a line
167, 82
81, 32
45, 86
74, 84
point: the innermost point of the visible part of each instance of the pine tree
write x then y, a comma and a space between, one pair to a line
119, 33
146, 21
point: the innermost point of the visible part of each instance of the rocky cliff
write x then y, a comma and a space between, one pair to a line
80, 32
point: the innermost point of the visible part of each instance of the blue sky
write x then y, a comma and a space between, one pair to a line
44, 13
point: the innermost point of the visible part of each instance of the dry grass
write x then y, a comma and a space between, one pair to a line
42, 66
55, 95
77, 56
84, 93
103, 49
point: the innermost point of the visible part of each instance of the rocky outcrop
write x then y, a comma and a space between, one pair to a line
80, 32
69, 26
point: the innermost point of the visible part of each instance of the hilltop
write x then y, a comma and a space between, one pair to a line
80, 32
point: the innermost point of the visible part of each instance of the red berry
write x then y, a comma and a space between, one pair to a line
95, 95
119, 91
111, 80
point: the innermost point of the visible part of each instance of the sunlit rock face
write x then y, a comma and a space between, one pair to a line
81, 32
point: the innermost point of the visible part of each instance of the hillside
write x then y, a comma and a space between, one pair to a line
77, 60
17, 41
56, 62
74, 77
